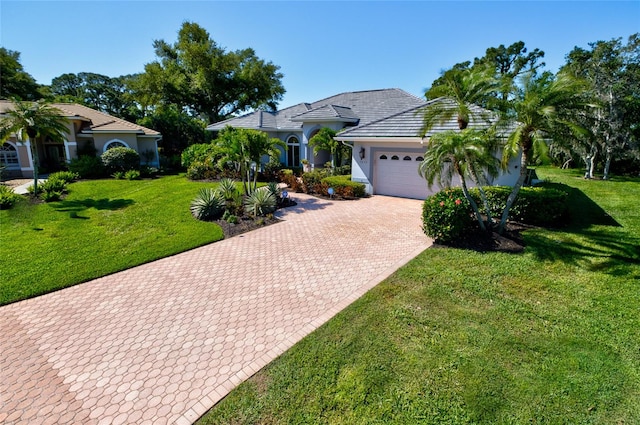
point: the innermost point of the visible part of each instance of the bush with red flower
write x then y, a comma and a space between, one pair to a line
446, 215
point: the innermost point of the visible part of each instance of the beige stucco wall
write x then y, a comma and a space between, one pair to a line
100, 140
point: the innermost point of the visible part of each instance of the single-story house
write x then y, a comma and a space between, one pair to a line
381, 126
88, 129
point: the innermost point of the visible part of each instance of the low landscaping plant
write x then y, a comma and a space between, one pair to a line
312, 181
120, 159
343, 187
208, 205
446, 215
87, 167
288, 177
65, 176
132, 175
260, 203
8, 197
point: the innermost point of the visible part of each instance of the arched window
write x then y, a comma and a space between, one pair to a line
293, 152
9, 156
406, 158
383, 156
115, 143
419, 158
395, 157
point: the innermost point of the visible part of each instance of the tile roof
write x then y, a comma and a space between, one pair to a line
407, 123
94, 120
366, 106
327, 113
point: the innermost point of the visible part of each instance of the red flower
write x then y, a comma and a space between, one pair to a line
442, 203
458, 201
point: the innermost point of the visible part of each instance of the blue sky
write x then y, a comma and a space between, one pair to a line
322, 47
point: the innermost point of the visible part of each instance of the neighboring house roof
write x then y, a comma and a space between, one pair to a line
409, 123
93, 121
361, 107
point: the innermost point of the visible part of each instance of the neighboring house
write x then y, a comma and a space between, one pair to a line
88, 129
381, 126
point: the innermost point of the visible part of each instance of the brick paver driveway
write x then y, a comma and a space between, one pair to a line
163, 342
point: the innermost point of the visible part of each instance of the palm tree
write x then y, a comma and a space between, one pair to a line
464, 154
543, 105
34, 121
463, 91
324, 139
246, 147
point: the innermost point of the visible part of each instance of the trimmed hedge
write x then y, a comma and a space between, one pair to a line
120, 159
342, 186
539, 206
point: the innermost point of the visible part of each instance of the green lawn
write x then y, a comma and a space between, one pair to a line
102, 226
551, 336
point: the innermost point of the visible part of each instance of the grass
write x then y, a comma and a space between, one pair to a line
550, 336
102, 226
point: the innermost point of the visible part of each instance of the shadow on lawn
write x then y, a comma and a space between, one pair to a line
580, 244
99, 204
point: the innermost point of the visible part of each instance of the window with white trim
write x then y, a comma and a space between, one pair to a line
9, 156
115, 143
293, 152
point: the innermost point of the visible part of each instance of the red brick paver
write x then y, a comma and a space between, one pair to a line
163, 342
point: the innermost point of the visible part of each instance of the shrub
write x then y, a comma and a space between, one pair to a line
260, 202
50, 196
446, 215
120, 159
8, 197
540, 206
207, 205
227, 188
149, 171
200, 152
200, 170
343, 187
312, 181
272, 169
53, 185
132, 175
289, 178
65, 176
118, 175
87, 167
343, 170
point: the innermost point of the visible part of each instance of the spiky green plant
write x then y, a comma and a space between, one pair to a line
227, 188
273, 188
260, 203
208, 205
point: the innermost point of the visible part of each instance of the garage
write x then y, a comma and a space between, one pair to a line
396, 174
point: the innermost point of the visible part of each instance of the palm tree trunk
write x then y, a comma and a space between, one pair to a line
483, 196
34, 156
472, 202
524, 160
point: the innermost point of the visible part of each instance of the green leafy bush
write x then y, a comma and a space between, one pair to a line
342, 170
260, 203
132, 175
446, 215
8, 197
343, 187
272, 169
118, 175
288, 177
66, 176
200, 152
53, 185
207, 205
200, 170
149, 171
227, 188
51, 195
312, 181
87, 167
120, 159
540, 206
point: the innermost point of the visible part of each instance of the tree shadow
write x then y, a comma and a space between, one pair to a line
308, 203
611, 251
99, 204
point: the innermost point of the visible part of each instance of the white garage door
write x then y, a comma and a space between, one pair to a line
396, 174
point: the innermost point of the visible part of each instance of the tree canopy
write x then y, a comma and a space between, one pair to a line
16, 82
206, 80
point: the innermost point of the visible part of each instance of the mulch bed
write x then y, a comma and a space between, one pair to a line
244, 225
511, 241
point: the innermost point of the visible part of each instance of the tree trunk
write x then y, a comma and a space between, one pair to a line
483, 196
592, 165
34, 156
474, 206
524, 160
607, 164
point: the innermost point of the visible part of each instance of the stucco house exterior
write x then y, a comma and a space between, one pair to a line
86, 128
381, 126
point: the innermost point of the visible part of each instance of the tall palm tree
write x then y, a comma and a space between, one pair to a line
542, 106
463, 91
464, 154
34, 121
246, 147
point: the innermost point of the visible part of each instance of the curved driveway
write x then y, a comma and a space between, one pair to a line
163, 342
